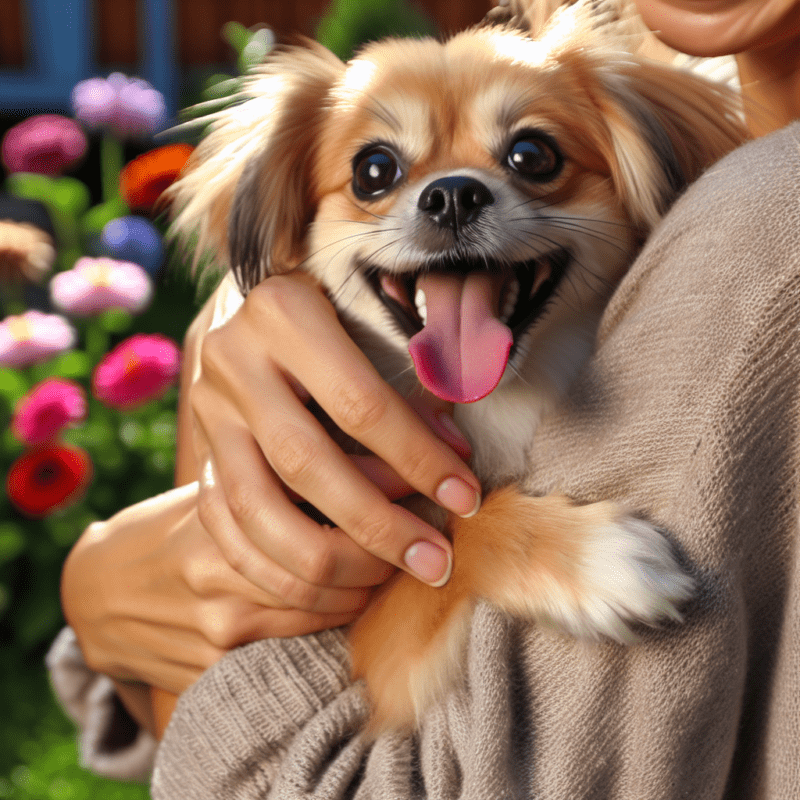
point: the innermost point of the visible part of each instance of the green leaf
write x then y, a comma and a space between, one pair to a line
95, 219
71, 196
12, 541
13, 385
236, 35
132, 433
74, 365
163, 430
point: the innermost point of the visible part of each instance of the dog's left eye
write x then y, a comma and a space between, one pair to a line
534, 155
374, 171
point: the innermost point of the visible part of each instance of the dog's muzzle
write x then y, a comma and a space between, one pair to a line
464, 309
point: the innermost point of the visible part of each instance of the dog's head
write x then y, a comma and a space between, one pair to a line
454, 195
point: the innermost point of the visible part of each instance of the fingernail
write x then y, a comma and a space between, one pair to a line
459, 497
429, 562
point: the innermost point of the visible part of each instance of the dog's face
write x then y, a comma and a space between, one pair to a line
465, 203
470, 204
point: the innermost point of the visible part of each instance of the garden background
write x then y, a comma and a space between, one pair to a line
125, 450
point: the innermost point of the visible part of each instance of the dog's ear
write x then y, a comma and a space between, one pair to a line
667, 126
245, 193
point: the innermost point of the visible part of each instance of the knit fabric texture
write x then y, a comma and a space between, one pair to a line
689, 413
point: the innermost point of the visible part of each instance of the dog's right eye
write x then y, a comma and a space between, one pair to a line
375, 170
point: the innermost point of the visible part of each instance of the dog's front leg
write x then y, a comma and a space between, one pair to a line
589, 570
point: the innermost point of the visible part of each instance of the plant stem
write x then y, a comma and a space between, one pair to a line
111, 162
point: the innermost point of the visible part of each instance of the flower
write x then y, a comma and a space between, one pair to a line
144, 179
128, 106
47, 409
25, 252
33, 337
48, 478
19, 208
45, 144
133, 239
98, 284
137, 370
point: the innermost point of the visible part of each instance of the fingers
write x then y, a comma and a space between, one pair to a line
171, 658
318, 352
313, 466
266, 538
310, 351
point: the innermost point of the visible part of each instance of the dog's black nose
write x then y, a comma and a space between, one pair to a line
455, 201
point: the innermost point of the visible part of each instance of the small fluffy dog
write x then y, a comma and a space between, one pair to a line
469, 206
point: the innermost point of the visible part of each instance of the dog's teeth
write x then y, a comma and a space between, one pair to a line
510, 303
421, 302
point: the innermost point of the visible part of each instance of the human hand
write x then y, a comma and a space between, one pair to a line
258, 448
152, 600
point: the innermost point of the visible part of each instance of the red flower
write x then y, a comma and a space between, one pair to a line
143, 180
48, 478
137, 370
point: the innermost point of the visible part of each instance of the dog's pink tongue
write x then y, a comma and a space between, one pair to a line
461, 353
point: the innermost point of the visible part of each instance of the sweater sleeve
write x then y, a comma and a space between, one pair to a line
231, 729
280, 719
110, 742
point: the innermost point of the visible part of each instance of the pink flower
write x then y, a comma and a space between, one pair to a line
45, 144
33, 337
139, 369
98, 284
129, 106
47, 409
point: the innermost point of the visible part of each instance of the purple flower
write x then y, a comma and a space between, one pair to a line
33, 337
128, 106
46, 145
133, 239
98, 284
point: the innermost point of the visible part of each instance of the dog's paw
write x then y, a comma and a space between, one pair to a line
626, 574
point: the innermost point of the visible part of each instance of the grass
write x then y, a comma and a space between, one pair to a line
38, 752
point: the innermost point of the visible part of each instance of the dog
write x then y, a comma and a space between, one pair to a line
469, 206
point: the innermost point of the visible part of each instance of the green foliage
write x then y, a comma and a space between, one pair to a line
133, 453
351, 23
38, 754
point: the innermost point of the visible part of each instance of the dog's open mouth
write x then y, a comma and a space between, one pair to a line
464, 318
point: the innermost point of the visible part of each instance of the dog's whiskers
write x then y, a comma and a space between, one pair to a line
358, 235
380, 217
570, 225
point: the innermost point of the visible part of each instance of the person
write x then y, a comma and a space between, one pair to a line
687, 411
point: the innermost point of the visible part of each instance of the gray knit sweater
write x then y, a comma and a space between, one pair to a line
690, 413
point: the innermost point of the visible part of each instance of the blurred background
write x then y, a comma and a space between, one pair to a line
93, 303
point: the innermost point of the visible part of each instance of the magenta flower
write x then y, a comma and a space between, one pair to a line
33, 337
139, 369
47, 409
45, 144
98, 284
128, 106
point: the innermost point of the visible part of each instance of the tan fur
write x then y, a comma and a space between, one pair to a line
271, 188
